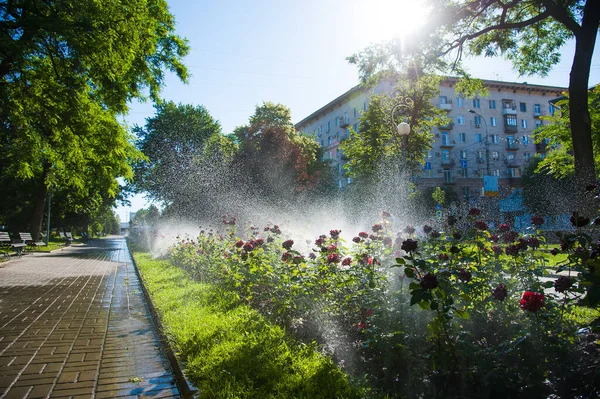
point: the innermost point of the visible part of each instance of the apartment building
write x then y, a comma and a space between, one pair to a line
490, 135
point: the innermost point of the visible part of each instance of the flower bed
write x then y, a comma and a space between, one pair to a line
454, 312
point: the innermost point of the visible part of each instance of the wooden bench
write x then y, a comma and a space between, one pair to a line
6, 244
27, 239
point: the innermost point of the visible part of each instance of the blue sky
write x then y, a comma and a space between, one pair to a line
293, 52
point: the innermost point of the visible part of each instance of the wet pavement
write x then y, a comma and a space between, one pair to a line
74, 323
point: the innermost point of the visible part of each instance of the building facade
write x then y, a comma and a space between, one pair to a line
490, 135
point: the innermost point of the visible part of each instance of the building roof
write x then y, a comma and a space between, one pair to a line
448, 81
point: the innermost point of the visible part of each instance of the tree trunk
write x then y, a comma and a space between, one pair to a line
39, 205
581, 127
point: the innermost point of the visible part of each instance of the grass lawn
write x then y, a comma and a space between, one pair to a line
228, 349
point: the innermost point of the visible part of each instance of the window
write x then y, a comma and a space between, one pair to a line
510, 120
492, 104
465, 172
443, 100
459, 101
510, 142
479, 156
493, 121
525, 140
460, 120
338, 120
355, 112
321, 129
514, 172
538, 123
349, 180
537, 109
328, 140
328, 126
524, 123
463, 154
494, 138
339, 168
466, 192
477, 120
476, 103
322, 143
495, 155
510, 157
347, 134
462, 137
551, 109
509, 104
447, 175
523, 107
445, 156
330, 154
356, 127
478, 137
339, 183
527, 156
338, 153
445, 139
496, 173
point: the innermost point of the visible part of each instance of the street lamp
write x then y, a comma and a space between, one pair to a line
403, 128
487, 143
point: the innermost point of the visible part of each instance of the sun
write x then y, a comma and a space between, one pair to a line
388, 19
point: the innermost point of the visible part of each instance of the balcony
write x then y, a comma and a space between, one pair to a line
512, 163
480, 160
510, 128
448, 126
537, 114
447, 163
512, 147
447, 143
344, 124
509, 111
446, 106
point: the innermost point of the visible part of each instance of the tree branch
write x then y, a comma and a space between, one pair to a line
561, 14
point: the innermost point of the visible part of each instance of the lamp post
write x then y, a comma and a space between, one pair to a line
402, 129
487, 143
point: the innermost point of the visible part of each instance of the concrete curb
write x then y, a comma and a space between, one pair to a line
185, 387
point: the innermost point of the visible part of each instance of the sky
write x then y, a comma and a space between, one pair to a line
244, 53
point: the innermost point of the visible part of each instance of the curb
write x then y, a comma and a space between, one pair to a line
186, 389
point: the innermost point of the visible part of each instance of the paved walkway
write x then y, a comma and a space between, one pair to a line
74, 323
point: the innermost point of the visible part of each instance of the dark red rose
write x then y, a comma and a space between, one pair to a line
443, 257
267, 228
579, 221
312, 255
356, 239
332, 248
451, 220
409, 245
429, 281
481, 225
275, 230
333, 258
335, 234
474, 212
287, 256
248, 247
427, 229
377, 227
287, 244
259, 242
497, 250
554, 251
347, 261
464, 275
239, 244
363, 234
298, 259
320, 241
562, 284
533, 242
512, 250
504, 227
537, 220
373, 237
409, 230
500, 292
435, 234
510, 236
454, 249
532, 301
386, 215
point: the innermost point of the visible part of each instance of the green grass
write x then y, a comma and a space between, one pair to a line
229, 350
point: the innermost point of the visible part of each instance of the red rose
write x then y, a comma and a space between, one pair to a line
429, 281
504, 227
288, 244
500, 292
532, 301
537, 220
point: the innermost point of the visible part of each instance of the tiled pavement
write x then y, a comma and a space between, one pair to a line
74, 324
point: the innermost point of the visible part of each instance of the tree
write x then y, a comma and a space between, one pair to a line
557, 133
173, 140
377, 144
67, 71
276, 161
530, 33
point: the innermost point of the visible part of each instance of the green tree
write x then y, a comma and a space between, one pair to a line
377, 144
557, 133
173, 140
67, 70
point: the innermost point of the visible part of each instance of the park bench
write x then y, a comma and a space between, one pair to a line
68, 238
27, 239
6, 244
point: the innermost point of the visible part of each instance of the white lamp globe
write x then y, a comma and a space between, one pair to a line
403, 129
